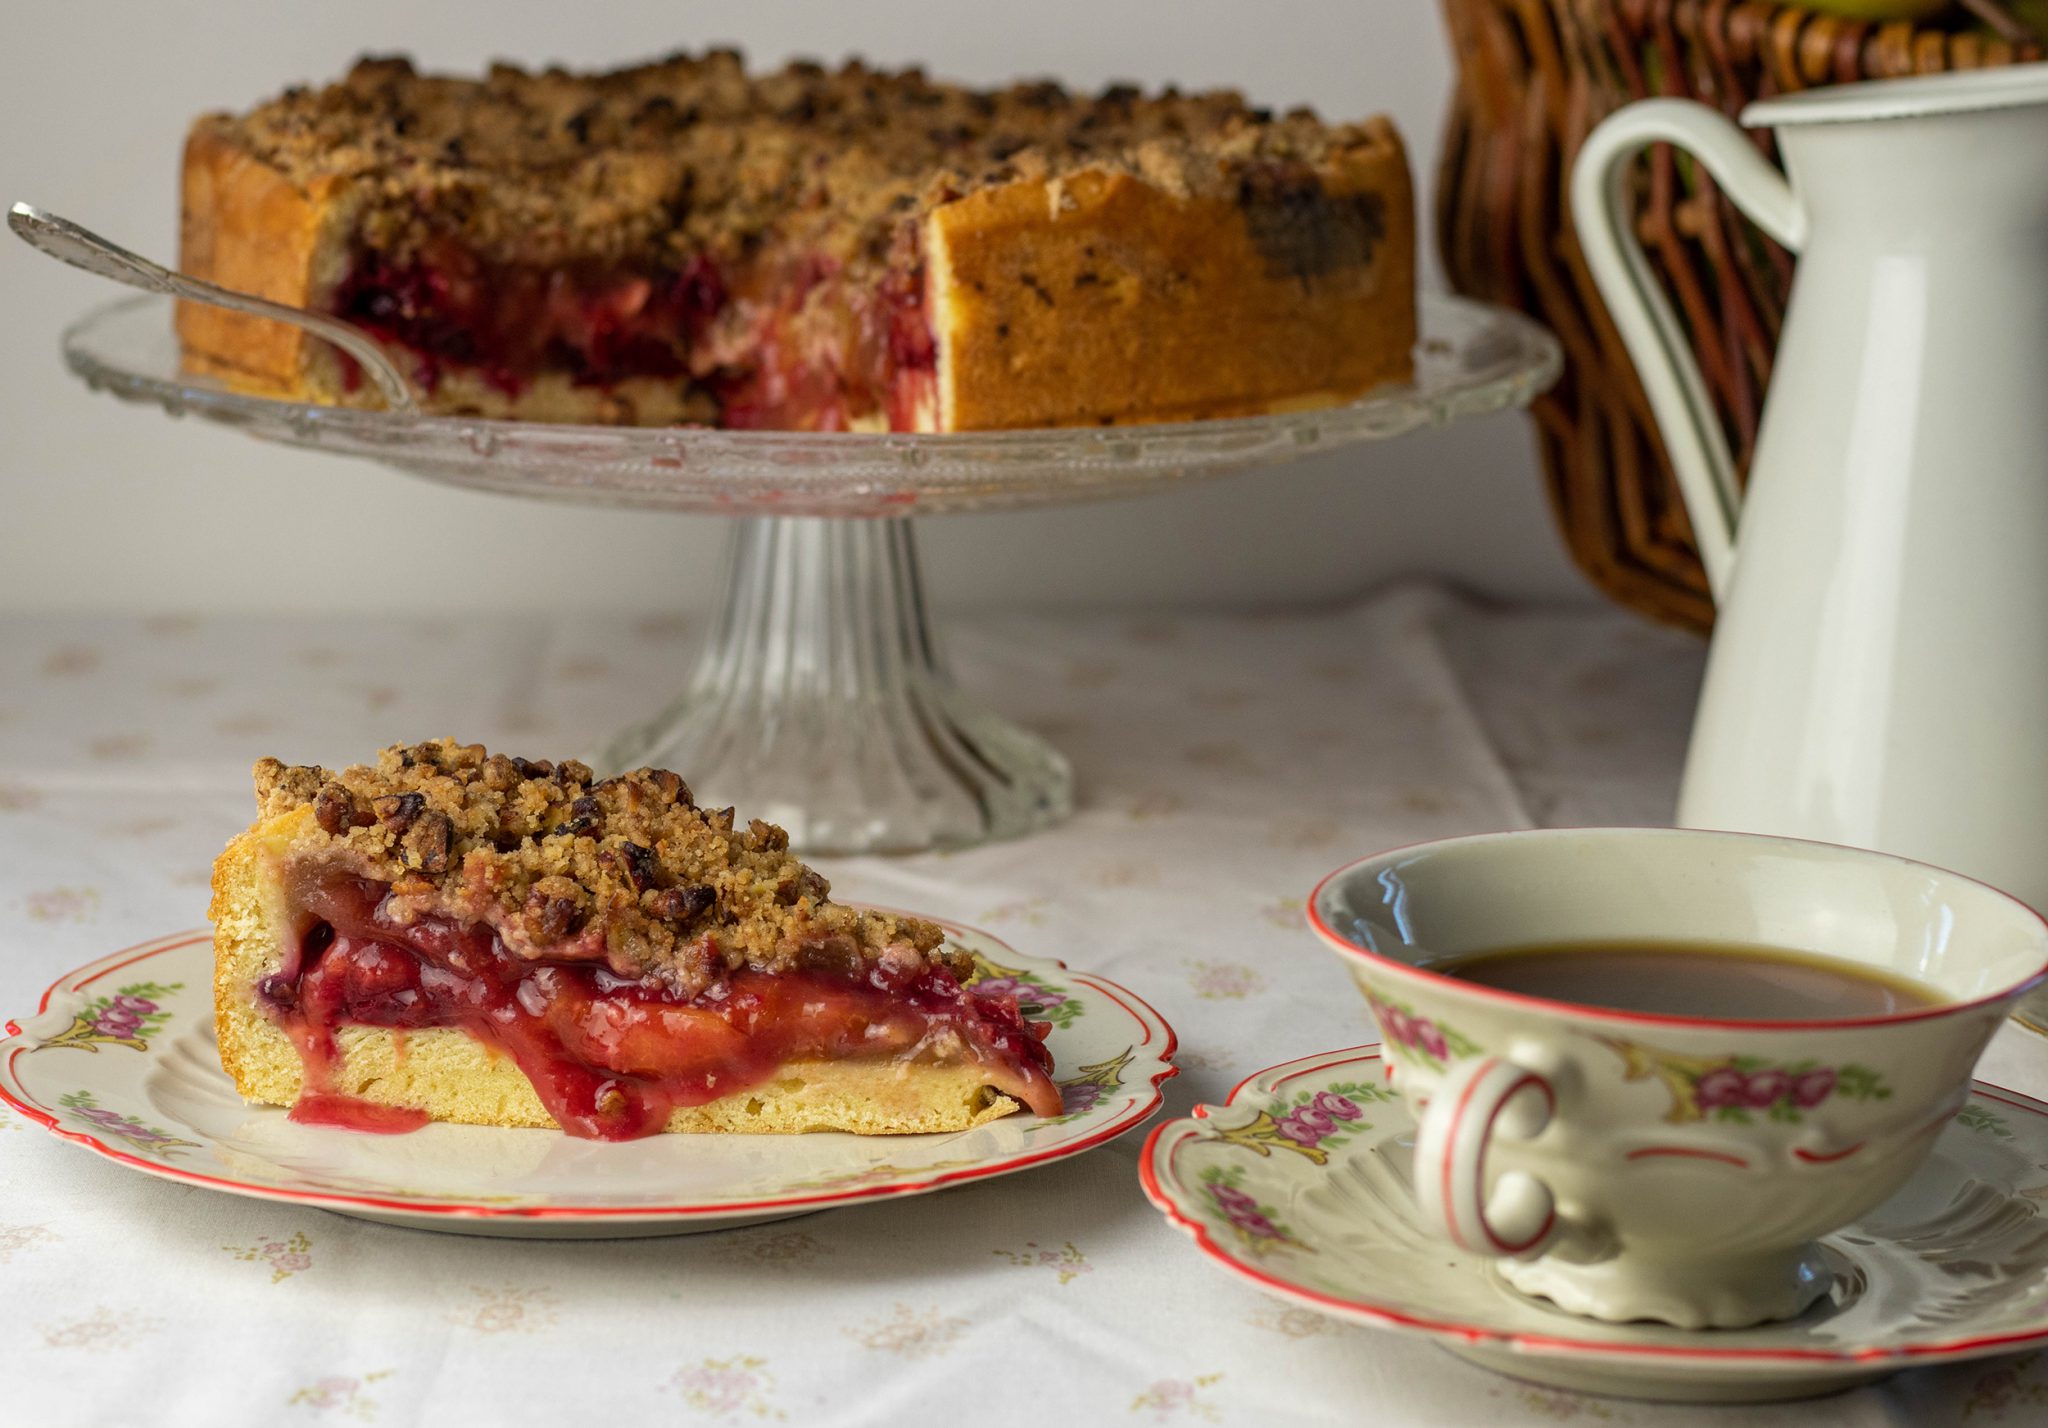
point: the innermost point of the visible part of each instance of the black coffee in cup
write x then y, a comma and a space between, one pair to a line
1741, 981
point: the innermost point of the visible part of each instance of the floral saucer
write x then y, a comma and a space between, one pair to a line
120, 1058
1301, 1185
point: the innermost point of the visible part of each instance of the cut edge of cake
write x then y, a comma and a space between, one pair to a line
1035, 327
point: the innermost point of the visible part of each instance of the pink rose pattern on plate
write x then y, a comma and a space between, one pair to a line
151, 1140
1256, 1226
1327, 1116
128, 1017
1035, 998
1312, 1124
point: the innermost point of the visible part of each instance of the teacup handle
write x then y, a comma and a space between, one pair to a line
1480, 1100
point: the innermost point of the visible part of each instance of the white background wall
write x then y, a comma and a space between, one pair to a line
113, 507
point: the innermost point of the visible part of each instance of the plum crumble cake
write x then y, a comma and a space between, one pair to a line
458, 936
805, 250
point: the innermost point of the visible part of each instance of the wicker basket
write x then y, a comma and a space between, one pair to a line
1533, 77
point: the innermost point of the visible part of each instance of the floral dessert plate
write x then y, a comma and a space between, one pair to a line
120, 1058
1301, 1185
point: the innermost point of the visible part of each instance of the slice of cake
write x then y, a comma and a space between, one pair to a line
458, 936
808, 250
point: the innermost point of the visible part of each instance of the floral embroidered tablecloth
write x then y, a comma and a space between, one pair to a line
1223, 764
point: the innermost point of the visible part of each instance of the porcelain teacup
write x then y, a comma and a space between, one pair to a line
1633, 1165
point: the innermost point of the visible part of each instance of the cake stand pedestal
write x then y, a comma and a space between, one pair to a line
822, 701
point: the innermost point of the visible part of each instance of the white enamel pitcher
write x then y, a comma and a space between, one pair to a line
1879, 670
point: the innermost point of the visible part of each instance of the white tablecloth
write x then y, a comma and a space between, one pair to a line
1223, 765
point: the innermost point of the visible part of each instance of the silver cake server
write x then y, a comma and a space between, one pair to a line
82, 248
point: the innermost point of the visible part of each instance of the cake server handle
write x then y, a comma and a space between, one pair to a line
82, 248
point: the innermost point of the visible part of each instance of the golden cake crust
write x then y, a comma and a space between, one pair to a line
1228, 261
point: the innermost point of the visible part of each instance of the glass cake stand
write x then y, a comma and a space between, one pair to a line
822, 701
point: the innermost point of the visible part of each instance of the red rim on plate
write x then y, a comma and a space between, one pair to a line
80, 978
1479, 1334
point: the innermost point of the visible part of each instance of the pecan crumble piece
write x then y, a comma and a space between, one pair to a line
530, 848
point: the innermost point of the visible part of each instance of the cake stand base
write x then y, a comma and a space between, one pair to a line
823, 703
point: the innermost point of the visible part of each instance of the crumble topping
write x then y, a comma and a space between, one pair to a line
628, 870
689, 155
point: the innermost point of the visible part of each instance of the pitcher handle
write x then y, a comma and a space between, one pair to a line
1649, 329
